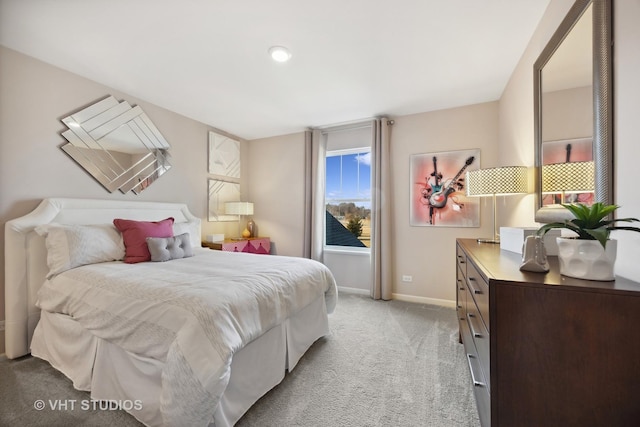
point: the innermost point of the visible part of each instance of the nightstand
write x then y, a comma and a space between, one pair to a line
252, 245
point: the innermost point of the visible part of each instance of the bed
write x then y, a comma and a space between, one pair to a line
195, 340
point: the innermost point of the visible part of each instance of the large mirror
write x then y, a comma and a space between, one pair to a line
117, 144
573, 112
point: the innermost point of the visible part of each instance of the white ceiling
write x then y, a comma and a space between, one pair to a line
352, 59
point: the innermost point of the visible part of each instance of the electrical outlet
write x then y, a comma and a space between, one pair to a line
407, 278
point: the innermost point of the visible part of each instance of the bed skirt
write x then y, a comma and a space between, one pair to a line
111, 373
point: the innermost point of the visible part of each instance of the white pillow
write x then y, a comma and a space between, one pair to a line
70, 246
193, 228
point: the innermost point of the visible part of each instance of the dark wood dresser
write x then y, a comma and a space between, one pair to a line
544, 349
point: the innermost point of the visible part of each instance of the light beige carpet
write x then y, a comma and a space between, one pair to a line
385, 364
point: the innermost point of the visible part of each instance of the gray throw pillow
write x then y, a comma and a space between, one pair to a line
168, 248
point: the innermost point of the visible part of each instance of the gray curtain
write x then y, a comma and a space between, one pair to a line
381, 214
315, 151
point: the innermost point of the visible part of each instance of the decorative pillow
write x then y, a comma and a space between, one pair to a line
192, 227
168, 248
70, 246
135, 234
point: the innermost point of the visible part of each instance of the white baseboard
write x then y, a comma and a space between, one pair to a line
424, 300
402, 297
358, 291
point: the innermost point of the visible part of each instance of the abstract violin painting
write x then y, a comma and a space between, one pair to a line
438, 189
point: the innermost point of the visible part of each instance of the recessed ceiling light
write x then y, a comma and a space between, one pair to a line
279, 53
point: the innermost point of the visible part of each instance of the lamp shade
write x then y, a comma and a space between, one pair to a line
568, 177
500, 180
238, 208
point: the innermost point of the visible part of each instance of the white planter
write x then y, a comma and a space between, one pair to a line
586, 259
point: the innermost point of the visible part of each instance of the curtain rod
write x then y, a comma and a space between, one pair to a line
345, 126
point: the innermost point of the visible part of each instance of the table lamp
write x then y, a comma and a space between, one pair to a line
240, 209
502, 180
572, 177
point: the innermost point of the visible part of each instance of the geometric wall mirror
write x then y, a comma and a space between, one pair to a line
224, 156
221, 192
224, 184
117, 144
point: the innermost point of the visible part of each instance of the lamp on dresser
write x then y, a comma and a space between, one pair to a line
503, 180
563, 178
241, 209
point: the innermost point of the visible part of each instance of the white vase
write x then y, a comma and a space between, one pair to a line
586, 259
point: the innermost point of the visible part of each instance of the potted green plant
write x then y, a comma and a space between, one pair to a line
591, 254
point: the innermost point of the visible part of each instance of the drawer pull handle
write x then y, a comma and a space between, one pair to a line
473, 288
473, 330
476, 383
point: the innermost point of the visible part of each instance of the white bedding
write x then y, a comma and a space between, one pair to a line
191, 313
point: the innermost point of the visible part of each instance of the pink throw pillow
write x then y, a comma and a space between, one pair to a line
135, 233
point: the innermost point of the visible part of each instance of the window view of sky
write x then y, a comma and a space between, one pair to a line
349, 178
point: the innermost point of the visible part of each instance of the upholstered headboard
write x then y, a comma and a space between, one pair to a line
26, 255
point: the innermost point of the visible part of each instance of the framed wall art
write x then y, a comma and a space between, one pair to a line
224, 156
224, 182
437, 192
221, 192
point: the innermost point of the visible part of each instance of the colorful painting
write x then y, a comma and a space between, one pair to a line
438, 189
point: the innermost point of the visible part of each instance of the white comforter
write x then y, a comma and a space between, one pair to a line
190, 313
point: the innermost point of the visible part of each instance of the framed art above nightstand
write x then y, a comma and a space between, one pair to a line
252, 245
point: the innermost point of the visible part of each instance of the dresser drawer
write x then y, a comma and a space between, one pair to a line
480, 336
461, 260
478, 379
260, 245
461, 295
481, 393
472, 304
479, 291
252, 245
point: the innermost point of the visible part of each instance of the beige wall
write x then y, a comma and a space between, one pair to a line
516, 130
567, 114
276, 188
426, 253
33, 98
516, 122
626, 130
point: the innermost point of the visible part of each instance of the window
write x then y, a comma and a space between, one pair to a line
348, 198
